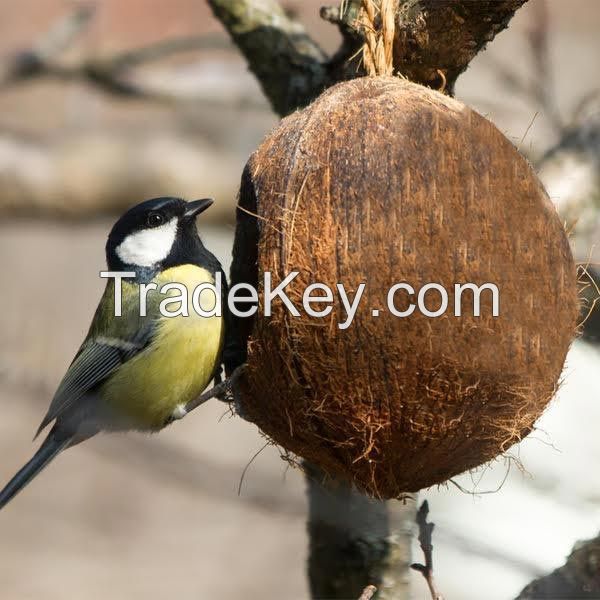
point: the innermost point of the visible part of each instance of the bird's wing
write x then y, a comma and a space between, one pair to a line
110, 343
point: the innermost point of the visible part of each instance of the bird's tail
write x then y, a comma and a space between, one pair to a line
49, 449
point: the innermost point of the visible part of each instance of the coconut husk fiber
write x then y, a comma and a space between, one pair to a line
383, 181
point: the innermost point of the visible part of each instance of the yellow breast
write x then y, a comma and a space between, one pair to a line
179, 363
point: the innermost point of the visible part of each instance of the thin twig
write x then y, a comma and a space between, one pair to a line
537, 86
539, 48
224, 391
111, 74
168, 47
59, 37
425, 540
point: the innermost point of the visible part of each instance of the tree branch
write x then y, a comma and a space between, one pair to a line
578, 578
110, 74
289, 65
355, 541
58, 38
435, 39
445, 35
225, 391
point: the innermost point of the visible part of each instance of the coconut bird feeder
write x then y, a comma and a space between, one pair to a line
381, 181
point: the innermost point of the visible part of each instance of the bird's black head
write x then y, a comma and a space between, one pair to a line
155, 235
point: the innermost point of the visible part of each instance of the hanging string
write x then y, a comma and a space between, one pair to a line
378, 49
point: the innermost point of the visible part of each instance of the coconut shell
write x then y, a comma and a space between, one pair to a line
384, 181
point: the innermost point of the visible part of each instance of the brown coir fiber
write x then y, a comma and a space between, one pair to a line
382, 181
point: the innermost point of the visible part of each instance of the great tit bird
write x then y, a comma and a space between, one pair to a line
136, 372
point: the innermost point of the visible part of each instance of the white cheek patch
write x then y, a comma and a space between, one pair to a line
147, 247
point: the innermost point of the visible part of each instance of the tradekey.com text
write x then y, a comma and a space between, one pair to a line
318, 299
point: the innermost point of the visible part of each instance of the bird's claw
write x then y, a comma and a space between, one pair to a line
229, 391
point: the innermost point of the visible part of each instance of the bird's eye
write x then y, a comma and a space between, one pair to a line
154, 219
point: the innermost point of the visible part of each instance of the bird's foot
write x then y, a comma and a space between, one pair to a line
226, 391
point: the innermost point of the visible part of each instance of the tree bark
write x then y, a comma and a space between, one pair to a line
435, 42
437, 39
356, 541
289, 65
578, 578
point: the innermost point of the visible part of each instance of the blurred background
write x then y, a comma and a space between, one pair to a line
140, 98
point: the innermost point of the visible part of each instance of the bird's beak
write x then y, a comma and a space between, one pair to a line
194, 208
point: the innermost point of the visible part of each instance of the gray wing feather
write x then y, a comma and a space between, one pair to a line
95, 361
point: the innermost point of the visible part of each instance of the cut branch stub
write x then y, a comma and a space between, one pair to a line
434, 40
437, 39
